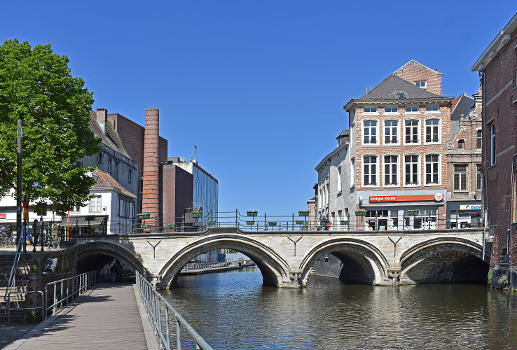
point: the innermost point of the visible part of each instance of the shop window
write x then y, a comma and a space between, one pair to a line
391, 132
411, 169
460, 177
391, 170
432, 130
411, 131
432, 165
370, 170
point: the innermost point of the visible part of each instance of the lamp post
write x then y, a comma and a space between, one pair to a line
19, 136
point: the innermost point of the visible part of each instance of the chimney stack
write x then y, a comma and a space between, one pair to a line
150, 188
102, 119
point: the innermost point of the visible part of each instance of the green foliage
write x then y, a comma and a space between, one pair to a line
36, 86
31, 316
34, 268
490, 281
503, 282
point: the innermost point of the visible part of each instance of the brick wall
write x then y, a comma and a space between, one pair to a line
414, 71
500, 92
385, 149
151, 169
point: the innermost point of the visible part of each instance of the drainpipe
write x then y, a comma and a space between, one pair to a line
485, 167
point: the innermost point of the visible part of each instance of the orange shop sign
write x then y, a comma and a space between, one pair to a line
438, 197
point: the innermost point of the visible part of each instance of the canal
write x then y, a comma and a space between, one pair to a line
232, 310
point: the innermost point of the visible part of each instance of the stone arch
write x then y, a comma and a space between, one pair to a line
364, 253
275, 270
436, 260
113, 250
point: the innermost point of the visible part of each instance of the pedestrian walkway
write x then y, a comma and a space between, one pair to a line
108, 318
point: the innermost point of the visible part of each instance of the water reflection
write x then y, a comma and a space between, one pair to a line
233, 311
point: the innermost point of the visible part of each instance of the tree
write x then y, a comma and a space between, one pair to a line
36, 85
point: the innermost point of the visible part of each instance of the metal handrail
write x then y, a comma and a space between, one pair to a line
66, 289
14, 267
8, 306
159, 310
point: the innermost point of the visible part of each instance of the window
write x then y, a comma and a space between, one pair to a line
432, 108
432, 130
411, 130
391, 170
479, 138
478, 177
492, 144
391, 109
95, 204
461, 144
411, 109
339, 179
129, 176
460, 177
391, 131
352, 172
421, 84
109, 166
370, 109
411, 162
432, 169
327, 194
370, 170
370, 132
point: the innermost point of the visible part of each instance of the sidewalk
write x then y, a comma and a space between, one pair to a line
108, 318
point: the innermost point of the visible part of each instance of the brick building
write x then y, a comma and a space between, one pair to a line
398, 132
464, 163
149, 151
498, 69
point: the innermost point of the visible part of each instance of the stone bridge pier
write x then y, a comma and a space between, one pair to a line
286, 258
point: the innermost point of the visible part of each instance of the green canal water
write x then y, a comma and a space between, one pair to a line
232, 310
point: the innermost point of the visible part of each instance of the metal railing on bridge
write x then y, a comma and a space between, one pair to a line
302, 221
168, 323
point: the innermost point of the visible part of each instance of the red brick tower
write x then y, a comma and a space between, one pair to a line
150, 188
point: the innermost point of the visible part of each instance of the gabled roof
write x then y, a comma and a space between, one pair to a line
464, 106
420, 64
396, 89
112, 140
106, 182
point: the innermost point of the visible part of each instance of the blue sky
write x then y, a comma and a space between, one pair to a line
258, 86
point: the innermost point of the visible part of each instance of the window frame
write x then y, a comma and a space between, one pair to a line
418, 132
412, 112
397, 134
370, 112
492, 136
417, 167
465, 175
419, 85
370, 135
479, 138
391, 112
433, 110
439, 170
462, 143
363, 173
95, 202
339, 179
479, 177
432, 134
397, 168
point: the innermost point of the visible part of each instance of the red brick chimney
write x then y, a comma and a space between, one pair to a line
150, 188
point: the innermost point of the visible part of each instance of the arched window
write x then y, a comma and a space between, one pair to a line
461, 144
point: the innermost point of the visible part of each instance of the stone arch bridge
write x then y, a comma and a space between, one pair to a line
286, 258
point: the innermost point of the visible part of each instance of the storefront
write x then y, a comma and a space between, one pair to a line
402, 211
463, 214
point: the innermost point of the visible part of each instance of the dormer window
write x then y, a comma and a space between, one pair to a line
370, 109
421, 84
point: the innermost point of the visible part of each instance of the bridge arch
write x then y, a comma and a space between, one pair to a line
275, 270
444, 259
363, 255
116, 251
